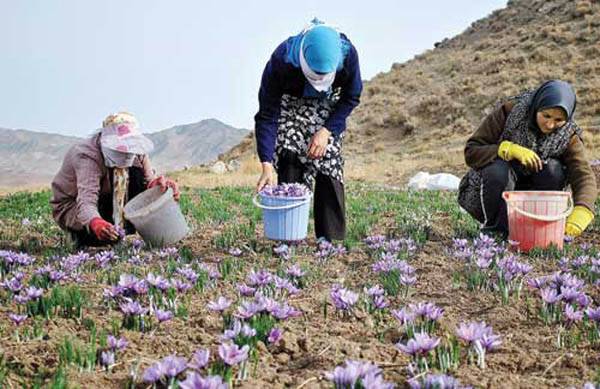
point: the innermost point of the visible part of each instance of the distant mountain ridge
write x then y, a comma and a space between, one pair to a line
32, 158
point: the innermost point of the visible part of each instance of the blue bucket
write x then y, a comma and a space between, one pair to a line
285, 218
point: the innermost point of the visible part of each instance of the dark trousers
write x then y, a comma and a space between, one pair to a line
500, 176
137, 184
329, 202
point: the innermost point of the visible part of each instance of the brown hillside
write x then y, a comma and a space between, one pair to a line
418, 115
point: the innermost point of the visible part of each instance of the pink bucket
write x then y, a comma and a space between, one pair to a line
537, 218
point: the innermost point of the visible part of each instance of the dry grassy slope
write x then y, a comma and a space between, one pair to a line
418, 115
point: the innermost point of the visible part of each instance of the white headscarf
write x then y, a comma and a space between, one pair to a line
321, 82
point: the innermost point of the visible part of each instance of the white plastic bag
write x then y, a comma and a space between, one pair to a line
440, 181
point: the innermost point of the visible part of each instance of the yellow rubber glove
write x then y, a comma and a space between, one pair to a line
509, 151
578, 221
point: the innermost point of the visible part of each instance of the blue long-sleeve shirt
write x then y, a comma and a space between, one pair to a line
281, 77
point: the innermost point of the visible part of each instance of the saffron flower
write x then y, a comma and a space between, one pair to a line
116, 344
421, 344
275, 335
107, 358
343, 299
196, 381
163, 316
234, 251
232, 354
17, 319
200, 359
572, 315
220, 305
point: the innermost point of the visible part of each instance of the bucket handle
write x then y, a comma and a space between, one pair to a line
542, 217
289, 206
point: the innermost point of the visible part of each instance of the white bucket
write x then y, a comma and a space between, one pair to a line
157, 217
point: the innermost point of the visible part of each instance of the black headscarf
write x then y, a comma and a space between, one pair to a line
552, 94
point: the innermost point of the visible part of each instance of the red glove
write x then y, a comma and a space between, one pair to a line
165, 183
103, 229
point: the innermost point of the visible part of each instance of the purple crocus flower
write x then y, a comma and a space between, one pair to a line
181, 286
196, 381
248, 331
295, 271
375, 290
140, 287
489, 341
472, 331
537, 283
137, 245
57, 275
572, 315
427, 311
220, 305
133, 308
234, 251
153, 373
173, 365
14, 285
570, 295
248, 309
266, 304
484, 259
245, 290
550, 296
128, 281
379, 302
168, 252
282, 251
200, 359
407, 279
232, 354
404, 315
375, 242
435, 381
116, 344
284, 312
188, 274
107, 358
285, 190
348, 376
233, 332
163, 316
17, 319
21, 299
259, 278
343, 299
275, 335
421, 344
593, 314
158, 281
343, 377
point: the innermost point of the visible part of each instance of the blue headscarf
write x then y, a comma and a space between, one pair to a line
324, 48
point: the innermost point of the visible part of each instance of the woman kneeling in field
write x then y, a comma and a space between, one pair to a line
98, 176
529, 142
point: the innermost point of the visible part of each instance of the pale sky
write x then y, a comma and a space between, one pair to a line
66, 64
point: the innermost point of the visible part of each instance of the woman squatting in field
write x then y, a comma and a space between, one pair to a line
528, 142
97, 178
